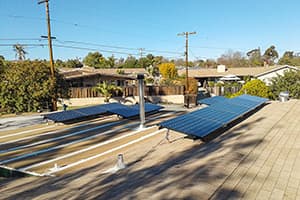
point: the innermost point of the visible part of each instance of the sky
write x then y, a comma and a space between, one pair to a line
123, 27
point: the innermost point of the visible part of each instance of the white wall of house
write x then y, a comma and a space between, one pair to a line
268, 76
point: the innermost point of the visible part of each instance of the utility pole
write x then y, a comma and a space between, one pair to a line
141, 56
54, 106
186, 34
141, 52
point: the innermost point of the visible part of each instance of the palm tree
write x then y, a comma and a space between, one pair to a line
20, 51
106, 90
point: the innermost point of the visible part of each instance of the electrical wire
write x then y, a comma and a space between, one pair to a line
93, 49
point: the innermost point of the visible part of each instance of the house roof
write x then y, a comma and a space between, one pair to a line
239, 71
127, 73
276, 69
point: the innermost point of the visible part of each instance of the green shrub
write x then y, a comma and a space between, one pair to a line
255, 87
290, 82
25, 86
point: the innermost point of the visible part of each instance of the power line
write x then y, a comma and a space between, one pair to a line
22, 44
21, 39
93, 49
101, 45
120, 47
218, 48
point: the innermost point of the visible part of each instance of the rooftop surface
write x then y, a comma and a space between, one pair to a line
238, 71
258, 158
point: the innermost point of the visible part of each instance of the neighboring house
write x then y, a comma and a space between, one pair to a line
89, 77
262, 73
271, 73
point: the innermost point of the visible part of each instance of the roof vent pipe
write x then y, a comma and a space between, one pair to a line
140, 78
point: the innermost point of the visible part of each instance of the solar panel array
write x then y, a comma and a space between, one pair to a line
131, 111
201, 123
114, 108
212, 100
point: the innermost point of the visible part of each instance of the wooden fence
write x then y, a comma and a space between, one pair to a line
88, 92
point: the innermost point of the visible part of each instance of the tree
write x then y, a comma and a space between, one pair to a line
233, 59
59, 63
106, 90
20, 51
168, 70
256, 87
119, 62
290, 82
73, 63
193, 84
26, 86
2, 64
96, 60
270, 55
290, 58
210, 63
255, 58
111, 61
130, 62
143, 62
287, 58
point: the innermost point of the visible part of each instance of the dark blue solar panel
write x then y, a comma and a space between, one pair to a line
253, 98
212, 100
216, 115
243, 102
82, 112
227, 107
202, 122
149, 107
115, 108
111, 106
64, 116
192, 125
125, 112
92, 110
131, 111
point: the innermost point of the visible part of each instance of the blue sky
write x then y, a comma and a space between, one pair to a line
151, 24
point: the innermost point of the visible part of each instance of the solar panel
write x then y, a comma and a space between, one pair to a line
68, 115
192, 125
125, 112
115, 108
227, 107
92, 110
131, 111
216, 115
149, 107
253, 98
64, 116
205, 121
243, 102
212, 100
